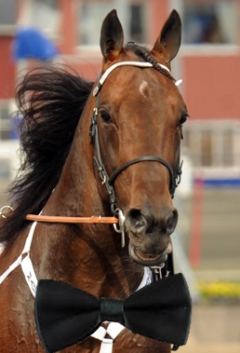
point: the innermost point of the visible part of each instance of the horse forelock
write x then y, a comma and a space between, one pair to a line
50, 102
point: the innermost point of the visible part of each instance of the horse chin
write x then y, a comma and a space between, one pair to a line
146, 259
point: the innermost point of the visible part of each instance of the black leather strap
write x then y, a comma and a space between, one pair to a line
142, 159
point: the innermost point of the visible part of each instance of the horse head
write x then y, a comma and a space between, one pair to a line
136, 130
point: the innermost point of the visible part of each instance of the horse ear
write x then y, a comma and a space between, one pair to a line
111, 41
169, 40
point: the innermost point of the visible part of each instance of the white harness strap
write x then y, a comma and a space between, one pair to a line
25, 261
113, 330
14, 265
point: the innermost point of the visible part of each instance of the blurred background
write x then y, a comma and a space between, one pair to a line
207, 240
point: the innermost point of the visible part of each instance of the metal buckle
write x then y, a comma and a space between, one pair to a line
119, 228
157, 271
179, 174
92, 130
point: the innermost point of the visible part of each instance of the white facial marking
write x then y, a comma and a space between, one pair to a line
142, 87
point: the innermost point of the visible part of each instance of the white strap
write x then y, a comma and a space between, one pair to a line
100, 333
14, 265
123, 63
147, 278
25, 262
114, 328
178, 82
106, 345
29, 273
29, 239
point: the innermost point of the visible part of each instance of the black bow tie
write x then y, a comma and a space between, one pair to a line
65, 315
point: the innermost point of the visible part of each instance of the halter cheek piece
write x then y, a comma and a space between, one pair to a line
175, 175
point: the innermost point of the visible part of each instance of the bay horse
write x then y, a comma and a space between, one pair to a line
74, 135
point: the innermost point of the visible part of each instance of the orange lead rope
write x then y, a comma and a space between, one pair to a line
59, 219
118, 223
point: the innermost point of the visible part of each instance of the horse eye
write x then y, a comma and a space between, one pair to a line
105, 116
183, 118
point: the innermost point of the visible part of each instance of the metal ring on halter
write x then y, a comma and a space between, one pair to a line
157, 271
119, 228
179, 173
104, 179
121, 220
2, 211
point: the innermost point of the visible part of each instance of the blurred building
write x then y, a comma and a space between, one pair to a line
209, 63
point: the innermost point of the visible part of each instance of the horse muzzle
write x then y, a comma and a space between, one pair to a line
149, 236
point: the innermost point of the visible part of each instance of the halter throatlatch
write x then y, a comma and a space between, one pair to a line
175, 175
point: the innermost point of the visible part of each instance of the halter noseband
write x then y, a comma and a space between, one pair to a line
175, 175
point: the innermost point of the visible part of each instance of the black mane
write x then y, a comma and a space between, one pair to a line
50, 102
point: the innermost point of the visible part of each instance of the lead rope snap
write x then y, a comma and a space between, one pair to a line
119, 228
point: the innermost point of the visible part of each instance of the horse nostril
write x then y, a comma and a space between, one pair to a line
170, 222
136, 220
145, 223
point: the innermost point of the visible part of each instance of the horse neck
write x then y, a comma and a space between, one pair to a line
88, 256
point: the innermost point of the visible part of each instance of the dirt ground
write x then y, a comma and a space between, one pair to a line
214, 329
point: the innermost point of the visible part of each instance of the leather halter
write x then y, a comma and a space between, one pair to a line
141, 159
175, 175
